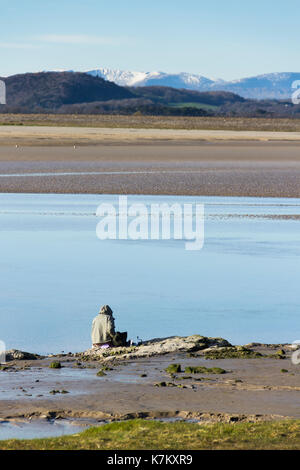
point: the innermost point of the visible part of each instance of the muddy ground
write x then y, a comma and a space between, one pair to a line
251, 389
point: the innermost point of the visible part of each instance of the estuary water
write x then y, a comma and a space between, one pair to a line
55, 273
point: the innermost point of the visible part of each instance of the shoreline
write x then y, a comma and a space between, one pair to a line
283, 216
251, 383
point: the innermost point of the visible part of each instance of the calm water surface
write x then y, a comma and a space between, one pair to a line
55, 273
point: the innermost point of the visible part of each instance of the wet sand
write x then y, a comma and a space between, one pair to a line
224, 168
251, 389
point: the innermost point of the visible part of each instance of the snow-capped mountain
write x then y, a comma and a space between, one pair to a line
272, 85
128, 78
124, 78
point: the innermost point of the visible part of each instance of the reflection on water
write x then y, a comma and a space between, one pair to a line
55, 273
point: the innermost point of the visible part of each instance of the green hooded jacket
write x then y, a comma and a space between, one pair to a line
102, 327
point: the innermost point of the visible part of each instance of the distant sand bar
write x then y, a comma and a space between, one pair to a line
47, 135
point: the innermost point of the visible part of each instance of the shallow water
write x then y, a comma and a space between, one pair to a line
55, 273
38, 382
37, 429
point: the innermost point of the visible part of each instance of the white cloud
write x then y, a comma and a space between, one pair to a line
17, 45
81, 39
66, 39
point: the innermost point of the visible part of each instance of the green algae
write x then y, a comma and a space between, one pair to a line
55, 365
173, 369
101, 373
233, 352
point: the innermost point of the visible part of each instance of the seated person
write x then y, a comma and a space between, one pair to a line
103, 328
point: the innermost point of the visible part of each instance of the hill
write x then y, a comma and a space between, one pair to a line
168, 95
51, 90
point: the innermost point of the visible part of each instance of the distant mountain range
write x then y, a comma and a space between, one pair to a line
268, 86
81, 92
84, 93
181, 80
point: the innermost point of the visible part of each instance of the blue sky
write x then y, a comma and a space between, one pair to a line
220, 39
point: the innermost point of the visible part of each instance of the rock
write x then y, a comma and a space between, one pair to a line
55, 365
168, 384
161, 384
232, 352
101, 373
158, 346
288, 347
16, 355
180, 344
281, 352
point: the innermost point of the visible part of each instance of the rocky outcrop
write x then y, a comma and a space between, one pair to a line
158, 346
16, 355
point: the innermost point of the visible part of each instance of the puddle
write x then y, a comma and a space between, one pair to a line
37, 429
38, 382
129, 378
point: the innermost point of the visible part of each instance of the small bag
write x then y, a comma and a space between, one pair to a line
119, 339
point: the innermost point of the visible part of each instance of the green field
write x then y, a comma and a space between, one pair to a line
142, 434
151, 122
207, 107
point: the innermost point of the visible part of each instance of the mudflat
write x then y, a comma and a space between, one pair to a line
215, 168
242, 389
